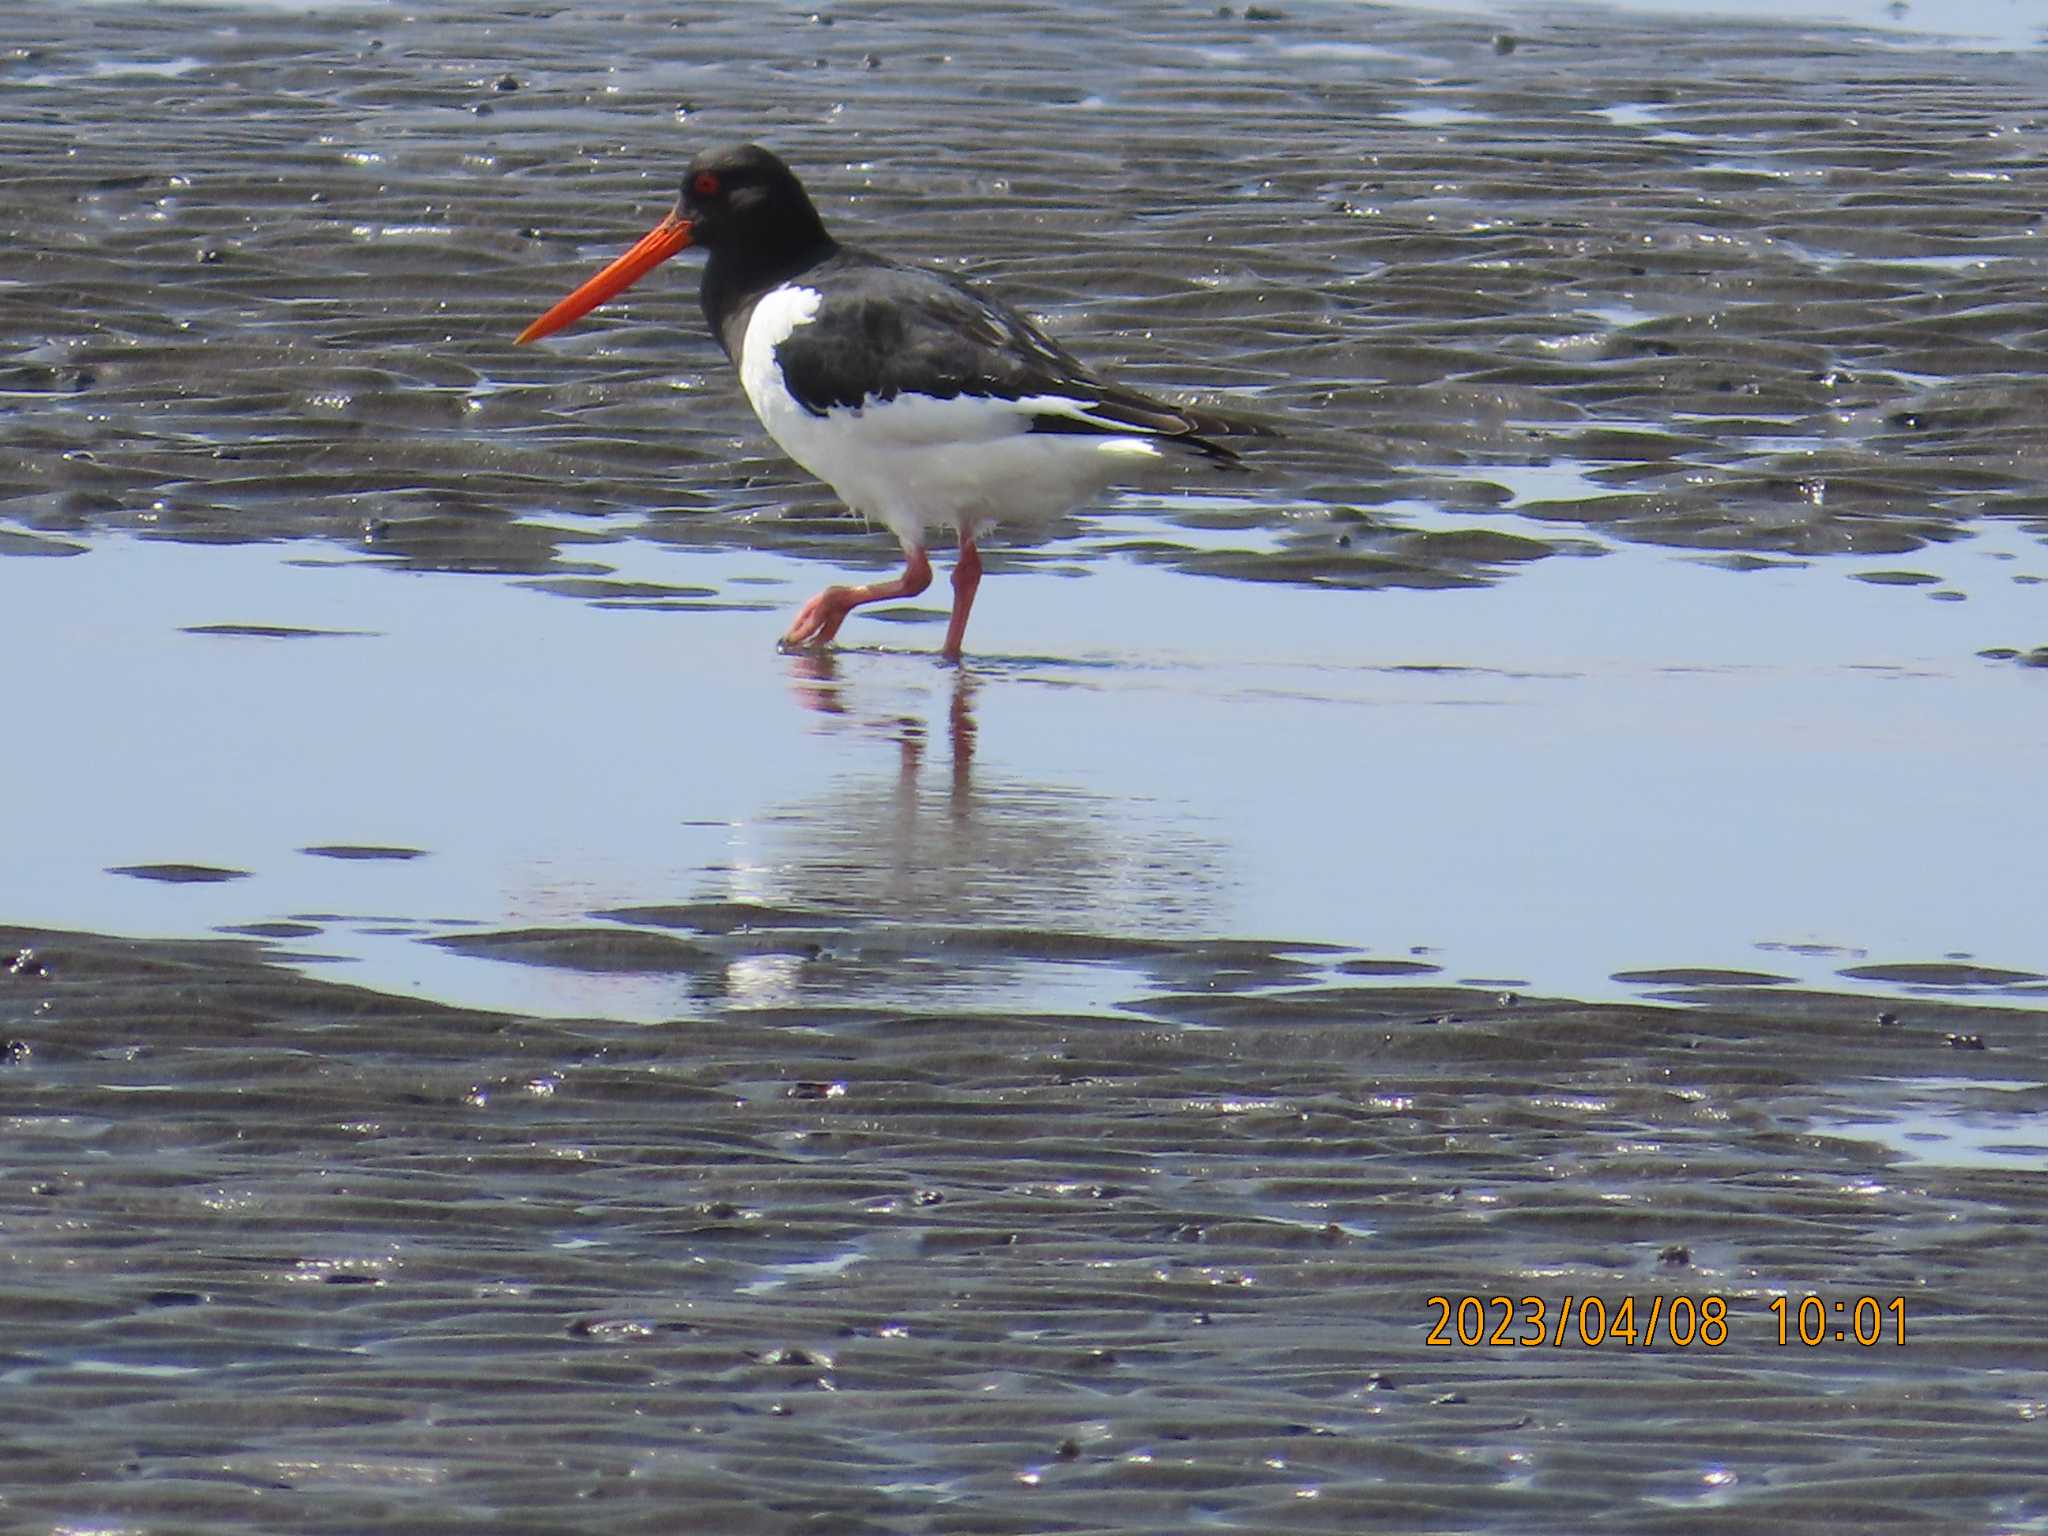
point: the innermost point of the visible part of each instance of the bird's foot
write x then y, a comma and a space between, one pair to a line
818, 620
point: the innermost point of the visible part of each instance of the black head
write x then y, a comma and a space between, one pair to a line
748, 212
746, 201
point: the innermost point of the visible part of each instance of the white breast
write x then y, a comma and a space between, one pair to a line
777, 315
917, 462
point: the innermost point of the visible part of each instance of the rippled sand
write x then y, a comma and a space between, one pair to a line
286, 1255
279, 299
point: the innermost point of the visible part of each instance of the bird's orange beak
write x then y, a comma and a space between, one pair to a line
672, 234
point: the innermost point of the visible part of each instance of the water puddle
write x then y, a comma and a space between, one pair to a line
1954, 1122
541, 758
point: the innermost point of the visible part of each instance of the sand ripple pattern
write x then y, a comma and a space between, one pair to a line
1769, 296
286, 1255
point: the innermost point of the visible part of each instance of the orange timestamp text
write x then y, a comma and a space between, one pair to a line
1533, 1322
1642, 1322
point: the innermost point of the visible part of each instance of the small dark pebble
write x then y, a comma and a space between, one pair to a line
928, 1197
210, 256
1379, 1381
817, 1091
506, 83
721, 1210
14, 1052
1504, 43
1067, 1450
871, 61
1263, 13
1963, 1042
342, 1277
482, 108
174, 1299
1887, 1019
1449, 1399
1676, 1255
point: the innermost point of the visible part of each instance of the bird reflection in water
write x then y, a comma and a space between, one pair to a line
949, 881
815, 683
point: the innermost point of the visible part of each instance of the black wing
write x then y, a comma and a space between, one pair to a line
885, 329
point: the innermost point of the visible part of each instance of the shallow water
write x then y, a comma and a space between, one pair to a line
554, 1049
1201, 763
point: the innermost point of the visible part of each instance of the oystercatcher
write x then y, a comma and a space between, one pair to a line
919, 399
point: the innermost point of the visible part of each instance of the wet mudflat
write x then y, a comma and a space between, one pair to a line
288, 1255
489, 1044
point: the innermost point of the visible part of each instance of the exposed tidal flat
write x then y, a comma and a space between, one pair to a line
490, 1044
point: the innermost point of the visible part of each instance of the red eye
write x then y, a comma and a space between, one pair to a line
706, 184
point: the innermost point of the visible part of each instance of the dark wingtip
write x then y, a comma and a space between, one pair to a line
1214, 452
1214, 424
1206, 426
1116, 411
1192, 421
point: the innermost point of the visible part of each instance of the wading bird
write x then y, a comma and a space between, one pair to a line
921, 400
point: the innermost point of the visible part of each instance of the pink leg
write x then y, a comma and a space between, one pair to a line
966, 577
819, 619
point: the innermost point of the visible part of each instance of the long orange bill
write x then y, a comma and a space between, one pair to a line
672, 234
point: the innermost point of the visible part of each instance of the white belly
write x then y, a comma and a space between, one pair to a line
916, 462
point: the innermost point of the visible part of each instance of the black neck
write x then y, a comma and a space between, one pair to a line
735, 279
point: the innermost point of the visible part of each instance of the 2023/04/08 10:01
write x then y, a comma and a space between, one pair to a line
1814, 1320
1531, 1322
